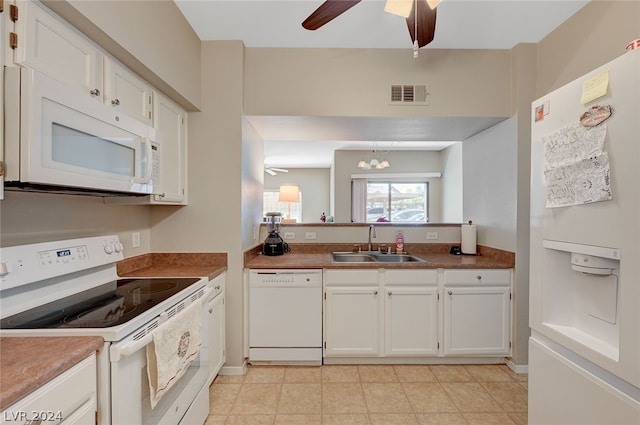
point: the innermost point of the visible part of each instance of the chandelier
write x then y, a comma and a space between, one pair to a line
375, 162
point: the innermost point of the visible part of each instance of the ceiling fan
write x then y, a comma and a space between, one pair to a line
274, 171
421, 30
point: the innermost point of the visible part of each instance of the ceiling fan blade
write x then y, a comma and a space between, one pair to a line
269, 171
426, 23
327, 11
282, 170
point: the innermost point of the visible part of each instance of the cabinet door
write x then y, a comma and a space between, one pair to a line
477, 321
352, 321
170, 120
66, 399
411, 321
127, 92
3, 25
48, 45
216, 323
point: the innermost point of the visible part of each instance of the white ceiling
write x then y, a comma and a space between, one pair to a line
461, 24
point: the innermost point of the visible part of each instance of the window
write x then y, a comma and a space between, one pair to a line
270, 203
404, 202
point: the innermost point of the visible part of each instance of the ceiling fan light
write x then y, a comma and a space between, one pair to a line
362, 164
433, 3
374, 162
399, 7
384, 164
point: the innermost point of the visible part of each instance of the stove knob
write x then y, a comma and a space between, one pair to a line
118, 247
108, 249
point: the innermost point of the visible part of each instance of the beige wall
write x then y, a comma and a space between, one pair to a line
452, 188
356, 82
595, 35
314, 185
29, 217
213, 221
151, 37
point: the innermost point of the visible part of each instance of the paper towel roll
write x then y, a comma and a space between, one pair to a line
468, 238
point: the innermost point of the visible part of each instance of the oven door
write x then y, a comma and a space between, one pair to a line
69, 140
185, 403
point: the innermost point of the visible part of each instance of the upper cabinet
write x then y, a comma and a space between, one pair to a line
43, 41
171, 121
46, 44
127, 92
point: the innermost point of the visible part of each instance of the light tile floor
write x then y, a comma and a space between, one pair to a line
370, 395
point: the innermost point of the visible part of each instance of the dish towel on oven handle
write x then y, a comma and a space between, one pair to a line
175, 344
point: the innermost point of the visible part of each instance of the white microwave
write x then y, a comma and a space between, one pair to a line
60, 139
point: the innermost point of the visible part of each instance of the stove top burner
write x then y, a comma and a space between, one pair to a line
107, 305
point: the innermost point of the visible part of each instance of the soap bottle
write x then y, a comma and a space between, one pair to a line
399, 243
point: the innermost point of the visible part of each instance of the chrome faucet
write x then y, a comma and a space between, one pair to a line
371, 228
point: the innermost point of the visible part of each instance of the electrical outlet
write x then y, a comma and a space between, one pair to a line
256, 232
289, 235
310, 235
432, 236
135, 239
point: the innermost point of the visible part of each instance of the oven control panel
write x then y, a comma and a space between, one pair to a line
25, 264
63, 256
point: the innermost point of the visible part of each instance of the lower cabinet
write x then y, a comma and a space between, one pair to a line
477, 312
411, 321
68, 399
417, 313
352, 304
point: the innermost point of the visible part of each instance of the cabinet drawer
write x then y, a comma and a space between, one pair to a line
217, 284
352, 277
409, 277
478, 276
59, 399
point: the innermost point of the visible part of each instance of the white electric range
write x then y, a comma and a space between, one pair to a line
71, 288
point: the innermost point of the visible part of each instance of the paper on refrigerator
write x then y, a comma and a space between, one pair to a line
576, 167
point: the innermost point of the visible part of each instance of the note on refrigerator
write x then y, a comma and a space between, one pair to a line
576, 167
594, 88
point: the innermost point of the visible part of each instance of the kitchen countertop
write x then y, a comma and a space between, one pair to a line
26, 363
316, 256
207, 265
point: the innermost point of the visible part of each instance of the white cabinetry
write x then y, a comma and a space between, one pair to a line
477, 312
52, 47
411, 312
3, 48
69, 399
127, 92
215, 313
352, 313
417, 313
171, 121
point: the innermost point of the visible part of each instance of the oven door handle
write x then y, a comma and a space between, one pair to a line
117, 351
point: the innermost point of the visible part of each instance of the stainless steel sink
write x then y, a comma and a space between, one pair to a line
374, 257
398, 258
349, 257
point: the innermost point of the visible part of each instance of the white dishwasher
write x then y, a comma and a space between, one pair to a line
285, 316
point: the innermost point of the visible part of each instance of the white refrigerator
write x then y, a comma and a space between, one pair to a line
584, 350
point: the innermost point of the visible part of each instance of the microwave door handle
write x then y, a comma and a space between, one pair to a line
149, 166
